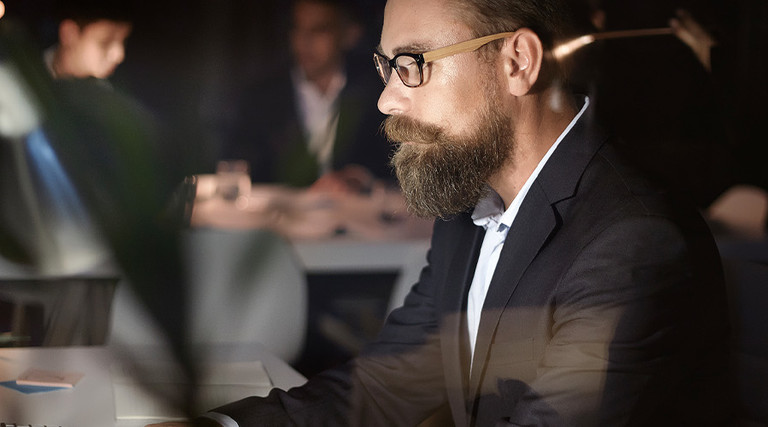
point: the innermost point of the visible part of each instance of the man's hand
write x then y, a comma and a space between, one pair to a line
352, 179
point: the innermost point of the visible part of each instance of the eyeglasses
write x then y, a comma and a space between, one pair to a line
409, 66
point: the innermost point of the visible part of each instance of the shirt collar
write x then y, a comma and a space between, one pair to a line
489, 212
307, 88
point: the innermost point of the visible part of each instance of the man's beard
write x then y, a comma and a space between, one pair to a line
442, 175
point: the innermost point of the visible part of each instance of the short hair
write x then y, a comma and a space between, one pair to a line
551, 20
348, 9
84, 12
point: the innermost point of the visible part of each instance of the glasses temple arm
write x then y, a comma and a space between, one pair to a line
466, 46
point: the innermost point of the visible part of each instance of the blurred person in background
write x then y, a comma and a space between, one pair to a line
86, 181
91, 44
91, 39
62, 239
315, 117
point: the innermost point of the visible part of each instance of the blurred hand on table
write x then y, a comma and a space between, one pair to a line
349, 203
352, 179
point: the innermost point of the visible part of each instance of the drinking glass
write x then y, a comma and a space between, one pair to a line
233, 179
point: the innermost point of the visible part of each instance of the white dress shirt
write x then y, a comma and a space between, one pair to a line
319, 113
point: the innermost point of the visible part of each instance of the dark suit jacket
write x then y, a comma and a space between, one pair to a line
607, 308
267, 130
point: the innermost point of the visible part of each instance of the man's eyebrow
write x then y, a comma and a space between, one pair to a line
411, 48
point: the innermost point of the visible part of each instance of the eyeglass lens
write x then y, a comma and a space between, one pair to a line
382, 66
407, 69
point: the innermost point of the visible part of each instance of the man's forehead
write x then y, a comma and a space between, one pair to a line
419, 26
108, 26
309, 11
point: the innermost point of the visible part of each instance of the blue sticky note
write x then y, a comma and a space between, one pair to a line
29, 389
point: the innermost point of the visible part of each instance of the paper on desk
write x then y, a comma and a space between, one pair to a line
219, 383
42, 378
29, 389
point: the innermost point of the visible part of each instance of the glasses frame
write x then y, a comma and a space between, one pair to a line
433, 55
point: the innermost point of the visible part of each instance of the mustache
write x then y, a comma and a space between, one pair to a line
399, 130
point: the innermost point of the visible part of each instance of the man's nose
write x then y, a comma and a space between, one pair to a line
394, 99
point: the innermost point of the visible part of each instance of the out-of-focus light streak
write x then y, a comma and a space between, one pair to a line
566, 48
18, 112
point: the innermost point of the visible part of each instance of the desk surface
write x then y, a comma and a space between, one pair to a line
307, 215
91, 403
351, 255
329, 232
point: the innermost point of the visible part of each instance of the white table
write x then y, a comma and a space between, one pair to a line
406, 257
344, 255
311, 215
91, 403
331, 233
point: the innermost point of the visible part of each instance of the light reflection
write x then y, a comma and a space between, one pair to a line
62, 211
566, 48
18, 113
2, 9
569, 47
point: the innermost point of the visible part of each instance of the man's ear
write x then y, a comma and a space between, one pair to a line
69, 32
522, 55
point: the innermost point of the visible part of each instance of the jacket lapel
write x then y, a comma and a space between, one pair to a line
454, 342
530, 230
536, 221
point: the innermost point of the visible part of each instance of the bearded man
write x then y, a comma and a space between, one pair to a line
562, 288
